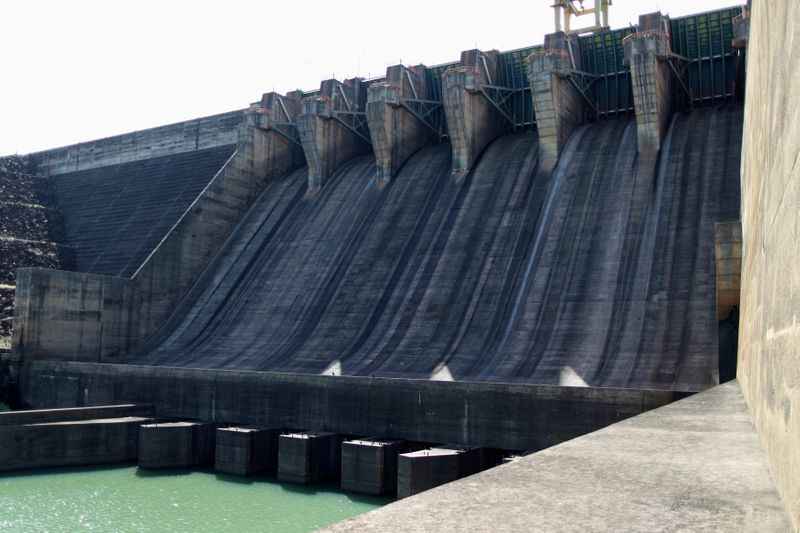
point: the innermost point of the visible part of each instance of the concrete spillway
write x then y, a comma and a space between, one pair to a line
599, 272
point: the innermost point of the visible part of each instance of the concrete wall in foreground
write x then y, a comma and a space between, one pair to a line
769, 334
495, 415
205, 132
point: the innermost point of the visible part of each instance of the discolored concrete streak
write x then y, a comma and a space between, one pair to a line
693, 465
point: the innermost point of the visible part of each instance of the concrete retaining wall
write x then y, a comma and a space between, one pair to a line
493, 415
205, 132
769, 334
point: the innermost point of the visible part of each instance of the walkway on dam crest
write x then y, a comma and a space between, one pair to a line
693, 465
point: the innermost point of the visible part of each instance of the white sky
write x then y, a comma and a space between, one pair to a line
76, 70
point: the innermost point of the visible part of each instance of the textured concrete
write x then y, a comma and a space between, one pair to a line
308, 456
41, 416
728, 256
188, 136
244, 451
327, 143
74, 316
175, 444
69, 443
693, 465
769, 334
493, 415
558, 107
472, 121
369, 466
646, 53
396, 133
422, 470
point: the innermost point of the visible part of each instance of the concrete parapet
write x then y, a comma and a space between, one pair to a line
308, 456
175, 444
327, 141
43, 416
557, 104
74, 316
472, 121
647, 53
369, 466
246, 450
424, 469
396, 133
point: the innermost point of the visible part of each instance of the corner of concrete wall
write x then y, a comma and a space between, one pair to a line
557, 105
472, 121
72, 316
769, 330
396, 133
646, 53
327, 142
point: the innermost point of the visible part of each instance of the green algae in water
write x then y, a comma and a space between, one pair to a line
127, 499
3, 407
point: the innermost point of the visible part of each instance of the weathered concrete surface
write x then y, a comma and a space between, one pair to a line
557, 105
74, 316
327, 143
472, 121
243, 451
422, 470
175, 444
396, 133
369, 466
693, 465
308, 456
205, 132
69, 443
646, 54
728, 256
769, 334
493, 415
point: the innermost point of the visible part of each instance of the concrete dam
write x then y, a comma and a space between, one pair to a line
504, 252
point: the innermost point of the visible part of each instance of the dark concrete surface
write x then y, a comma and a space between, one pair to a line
694, 465
175, 444
369, 466
243, 451
308, 456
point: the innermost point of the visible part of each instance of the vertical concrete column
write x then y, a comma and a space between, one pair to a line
557, 104
424, 469
243, 451
273, 120
396, 133
175, 444
647, 53
369, 466
327, 143
308, 456
741, 29
472, 121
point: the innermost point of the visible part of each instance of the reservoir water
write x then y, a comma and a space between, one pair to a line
124, 498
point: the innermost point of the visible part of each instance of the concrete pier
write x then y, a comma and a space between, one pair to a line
327, 141
424, 469
308, 456
557, 104
244, 451
175, 444
472, 121
369, 466
396, 133
276, 143
70, 437
647, 53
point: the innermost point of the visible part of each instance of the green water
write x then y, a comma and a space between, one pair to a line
3, 407
126, 499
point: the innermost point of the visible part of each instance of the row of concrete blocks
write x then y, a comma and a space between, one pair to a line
343, 119
372, 465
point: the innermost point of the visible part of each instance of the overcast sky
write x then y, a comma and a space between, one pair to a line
72, 71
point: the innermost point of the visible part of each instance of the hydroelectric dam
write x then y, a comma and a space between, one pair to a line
494, 255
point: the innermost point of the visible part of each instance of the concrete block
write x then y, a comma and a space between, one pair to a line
246, 450
175, 444
307, 457
472, 121
424, 469
369, 466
